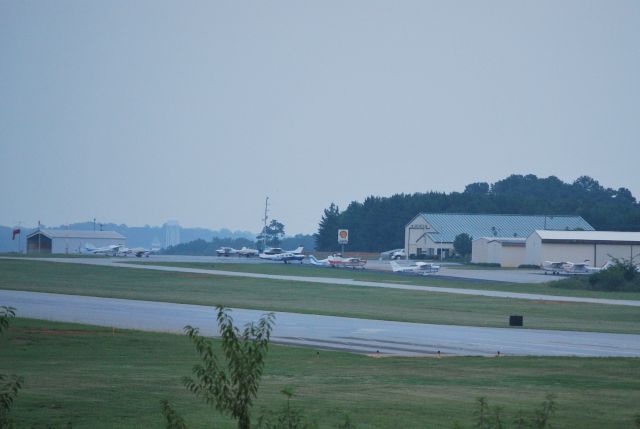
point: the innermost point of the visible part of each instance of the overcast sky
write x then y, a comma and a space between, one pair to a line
138, 112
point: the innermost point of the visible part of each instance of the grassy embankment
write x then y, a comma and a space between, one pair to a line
274, 295
95, 378
378, 276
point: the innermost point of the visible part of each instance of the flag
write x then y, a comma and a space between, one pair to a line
16, 231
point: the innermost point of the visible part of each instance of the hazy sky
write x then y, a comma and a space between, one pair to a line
138, 112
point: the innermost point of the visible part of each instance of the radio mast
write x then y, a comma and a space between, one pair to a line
264, 219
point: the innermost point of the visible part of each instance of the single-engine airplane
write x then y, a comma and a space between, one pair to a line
420, 268
111, 250
338, 261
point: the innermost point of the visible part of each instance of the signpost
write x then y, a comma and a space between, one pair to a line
343, 238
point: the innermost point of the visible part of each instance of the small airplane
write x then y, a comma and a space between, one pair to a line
285, 257
583, 268
139, 252
421, 268
226, 251
111, 250
319, 262
248, 252
338, 261
553, 267
277, 254
277, 250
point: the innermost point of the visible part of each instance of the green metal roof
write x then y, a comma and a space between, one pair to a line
448, 225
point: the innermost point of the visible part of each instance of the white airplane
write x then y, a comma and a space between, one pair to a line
277, 250
248, 252
583, 268
226, 251
277, 254
111, 250
319, 262
285, 257
139, 252
338, 261
421, 268
553, 267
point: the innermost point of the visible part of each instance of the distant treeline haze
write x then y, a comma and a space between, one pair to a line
378, 223
208, 247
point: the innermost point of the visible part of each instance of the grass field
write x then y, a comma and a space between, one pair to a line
95, 378
272, 295
377, 276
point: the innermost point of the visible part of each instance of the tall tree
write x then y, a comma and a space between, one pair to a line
462, 244
272, 234
329, 225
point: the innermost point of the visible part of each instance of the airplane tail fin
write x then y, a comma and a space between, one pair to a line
298, 250
395, 267
313, 260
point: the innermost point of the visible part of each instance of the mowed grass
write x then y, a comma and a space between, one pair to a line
307, 270
94, 377
290, 296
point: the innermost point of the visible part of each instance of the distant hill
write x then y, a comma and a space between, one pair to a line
377, 224
137, 236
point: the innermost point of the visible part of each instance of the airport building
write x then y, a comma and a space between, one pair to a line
47, 241
432, 235
596, 247
506, 251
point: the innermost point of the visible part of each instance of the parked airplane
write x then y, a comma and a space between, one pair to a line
583, 268
139, 252
337, 261
226, 251
319, 262
573, 268
553, 267
248, 252
421, 268
285, 257
111, 250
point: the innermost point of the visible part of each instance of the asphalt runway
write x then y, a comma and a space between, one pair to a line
118, 262
326, 332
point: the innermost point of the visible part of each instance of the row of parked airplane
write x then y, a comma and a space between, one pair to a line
117, 250
271, 253
335, 260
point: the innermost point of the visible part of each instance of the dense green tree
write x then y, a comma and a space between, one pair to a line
377, 223
330, 221
462, 244
272, 234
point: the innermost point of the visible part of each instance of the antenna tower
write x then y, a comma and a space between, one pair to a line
264, 219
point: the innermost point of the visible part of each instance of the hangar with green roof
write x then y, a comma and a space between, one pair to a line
431, 235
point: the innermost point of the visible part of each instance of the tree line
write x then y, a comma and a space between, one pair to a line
203, 247
377, 224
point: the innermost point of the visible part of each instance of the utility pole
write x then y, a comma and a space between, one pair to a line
264, 219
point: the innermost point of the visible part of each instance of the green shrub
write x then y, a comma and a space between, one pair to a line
622, 276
